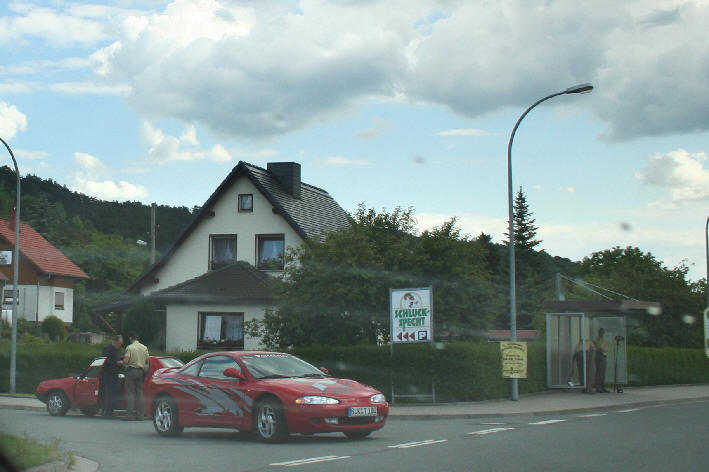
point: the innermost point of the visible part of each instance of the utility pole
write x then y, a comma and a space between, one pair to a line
152, 233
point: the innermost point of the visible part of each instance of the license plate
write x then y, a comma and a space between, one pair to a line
362, 411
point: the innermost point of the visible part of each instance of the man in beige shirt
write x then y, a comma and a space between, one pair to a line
136, 360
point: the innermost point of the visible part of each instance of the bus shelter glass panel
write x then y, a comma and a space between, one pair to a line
612, 347
564, 331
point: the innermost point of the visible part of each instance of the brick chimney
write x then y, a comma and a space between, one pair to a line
288, 175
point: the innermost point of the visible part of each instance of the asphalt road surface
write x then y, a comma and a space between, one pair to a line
658, 438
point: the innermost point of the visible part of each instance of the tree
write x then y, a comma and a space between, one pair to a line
640, 275
142, 319
525, 230
337, 292
54, 327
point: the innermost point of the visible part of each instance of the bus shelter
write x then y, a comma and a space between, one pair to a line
573, 325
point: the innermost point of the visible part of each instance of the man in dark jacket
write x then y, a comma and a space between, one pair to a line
108, 381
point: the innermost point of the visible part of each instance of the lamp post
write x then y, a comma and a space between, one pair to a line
15, 269
583, 88
706, 287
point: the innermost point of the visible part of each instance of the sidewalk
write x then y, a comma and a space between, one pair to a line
549, 402
555, 401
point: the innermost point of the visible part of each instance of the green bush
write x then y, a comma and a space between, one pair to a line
54, 327
666, 365
461, 371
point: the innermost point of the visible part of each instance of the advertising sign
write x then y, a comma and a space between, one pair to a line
411, 315
514, 359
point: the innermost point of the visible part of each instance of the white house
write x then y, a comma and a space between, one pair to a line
46, 276
213, 278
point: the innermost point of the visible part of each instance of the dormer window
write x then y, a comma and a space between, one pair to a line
271, 252
222, 250
246, 202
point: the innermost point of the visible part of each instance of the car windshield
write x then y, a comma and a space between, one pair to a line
273, 366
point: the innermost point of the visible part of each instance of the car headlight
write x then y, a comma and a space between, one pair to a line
378, 398
316, 400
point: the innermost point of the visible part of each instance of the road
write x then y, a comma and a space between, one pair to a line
658, 438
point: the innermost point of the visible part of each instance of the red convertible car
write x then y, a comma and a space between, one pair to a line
269, 393
81, 391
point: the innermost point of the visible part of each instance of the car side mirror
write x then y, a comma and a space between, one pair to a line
234, 373
324, 370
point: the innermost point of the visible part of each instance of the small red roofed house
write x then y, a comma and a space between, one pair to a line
46, 276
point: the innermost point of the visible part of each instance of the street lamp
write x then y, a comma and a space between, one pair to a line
16, 270
582, 88
706, 286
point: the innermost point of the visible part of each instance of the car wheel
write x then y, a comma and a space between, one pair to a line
357, 434
57, 403
165, 418
89, 410
270, 421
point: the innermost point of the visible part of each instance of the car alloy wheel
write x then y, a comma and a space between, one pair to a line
270, 421
57, 403
165, 417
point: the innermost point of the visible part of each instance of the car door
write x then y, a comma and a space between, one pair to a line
86, 387
221, 400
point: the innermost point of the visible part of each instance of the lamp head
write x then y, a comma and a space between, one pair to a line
581, 88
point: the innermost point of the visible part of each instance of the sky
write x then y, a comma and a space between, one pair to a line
385, 103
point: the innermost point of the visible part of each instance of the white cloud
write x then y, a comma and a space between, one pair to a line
379, 126
339, 161
681, 172
12, 120
55, 27
92, 178
464, 132
90, 88
110, 190
31, 155
568, 189
165, 148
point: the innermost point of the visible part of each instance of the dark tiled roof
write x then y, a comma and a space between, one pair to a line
46, 258
237, 282
312, 216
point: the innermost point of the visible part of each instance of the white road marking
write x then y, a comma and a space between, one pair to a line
592, 415
490, 431
312, 460
547, 422
418, 443
627, 411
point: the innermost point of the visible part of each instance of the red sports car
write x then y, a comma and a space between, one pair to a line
81, 391
269, 393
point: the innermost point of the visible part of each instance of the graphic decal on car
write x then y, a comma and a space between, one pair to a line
214, 399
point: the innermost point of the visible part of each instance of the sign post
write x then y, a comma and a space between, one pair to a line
411, 321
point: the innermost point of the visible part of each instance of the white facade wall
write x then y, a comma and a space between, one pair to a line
191, 259
29, 301
181, 324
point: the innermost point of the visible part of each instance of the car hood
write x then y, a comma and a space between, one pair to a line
341, 388
55, 383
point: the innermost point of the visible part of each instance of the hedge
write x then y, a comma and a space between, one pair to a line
460, 371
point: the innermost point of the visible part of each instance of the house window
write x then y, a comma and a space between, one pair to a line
58, 300
7, 296
271, 251
5, 258
246, 202
220, 330
222, 251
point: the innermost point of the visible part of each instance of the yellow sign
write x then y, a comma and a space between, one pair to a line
514, 359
